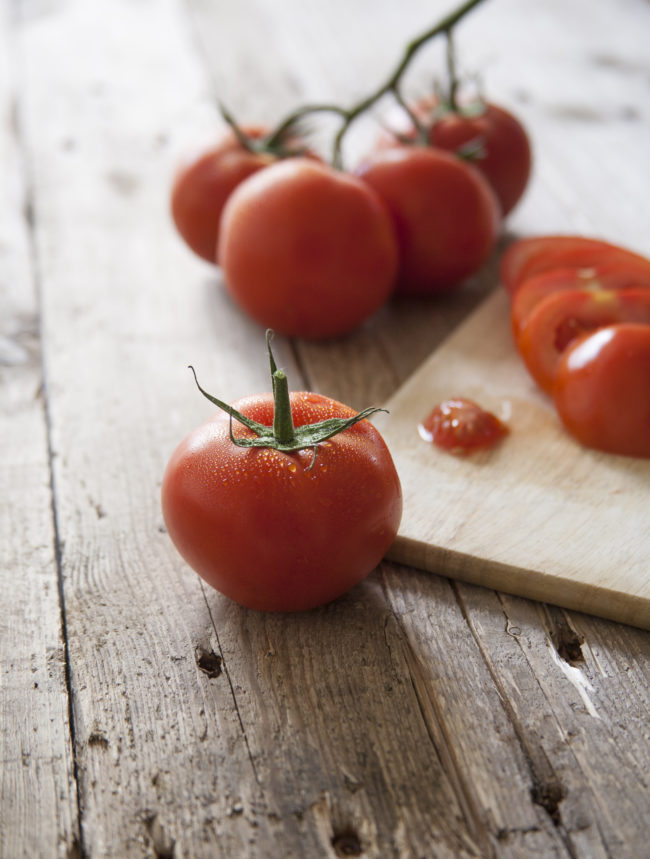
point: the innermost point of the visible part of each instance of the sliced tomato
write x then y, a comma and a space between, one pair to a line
608, 276
562, 317
531, 256
461, 426
602, 392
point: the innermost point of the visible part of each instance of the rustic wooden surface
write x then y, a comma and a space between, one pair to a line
142, 715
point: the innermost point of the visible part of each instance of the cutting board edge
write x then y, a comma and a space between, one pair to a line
606, 603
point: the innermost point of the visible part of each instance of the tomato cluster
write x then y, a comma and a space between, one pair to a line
312, 250
580, 313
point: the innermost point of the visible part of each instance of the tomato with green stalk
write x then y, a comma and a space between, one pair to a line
291, 508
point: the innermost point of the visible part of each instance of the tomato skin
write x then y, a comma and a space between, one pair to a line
266, 531
505, 158
307, 250
534, 255
602, 391
563, 317
461, 426
446, 216
504, 152
201, 188
597, 278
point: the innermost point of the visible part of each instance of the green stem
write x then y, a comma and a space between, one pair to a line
283, 428
392, 84
275, 137
452, 93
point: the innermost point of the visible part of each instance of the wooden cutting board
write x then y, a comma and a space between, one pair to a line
539, 516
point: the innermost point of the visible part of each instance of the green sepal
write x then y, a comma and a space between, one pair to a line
297, 438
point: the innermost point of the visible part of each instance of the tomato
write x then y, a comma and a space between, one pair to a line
562, 317
503, 153
201, 188
537, 287
528, 257
602, 391
277, 529
307, 250
460, 425
445, 215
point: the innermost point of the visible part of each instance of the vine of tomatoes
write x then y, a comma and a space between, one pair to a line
580, 313
312, 249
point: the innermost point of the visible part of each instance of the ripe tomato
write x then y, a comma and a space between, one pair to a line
445, 215
562, 317
201, 188
528, 257
602, 391
499, 141
504, 154
460, 425
307, 250
276, 529
604, 276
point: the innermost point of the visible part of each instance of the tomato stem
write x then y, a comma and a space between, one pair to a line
283, 428
389, 87
283, 435
452, 92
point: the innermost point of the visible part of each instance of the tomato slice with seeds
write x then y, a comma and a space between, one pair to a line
595, 278
459, 425
531, 256
560, 318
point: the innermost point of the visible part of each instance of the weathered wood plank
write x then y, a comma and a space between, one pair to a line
390, 722
37, 784
162, 761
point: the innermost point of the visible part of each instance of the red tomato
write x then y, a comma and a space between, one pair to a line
503, 149
264, 528
602, 391
562, 317
460, 425
307, 250
604, 276
445, 214
201, 188
528, 257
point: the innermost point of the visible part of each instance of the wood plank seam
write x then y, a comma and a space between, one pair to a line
75, 848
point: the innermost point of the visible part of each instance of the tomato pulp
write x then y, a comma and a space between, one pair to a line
461, 426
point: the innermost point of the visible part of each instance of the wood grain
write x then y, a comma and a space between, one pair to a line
414, 717
37, 780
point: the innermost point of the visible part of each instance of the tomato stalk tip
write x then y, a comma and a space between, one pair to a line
283, 435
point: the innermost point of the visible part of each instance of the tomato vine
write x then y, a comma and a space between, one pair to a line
275, 141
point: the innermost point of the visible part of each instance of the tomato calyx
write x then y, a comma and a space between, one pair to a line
282, 143
283, 435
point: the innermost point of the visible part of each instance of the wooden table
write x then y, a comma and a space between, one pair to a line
142, 714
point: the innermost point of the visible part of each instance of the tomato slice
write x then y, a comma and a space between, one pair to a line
562, 317
596, 278
602, 391
531, 256
461, 426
